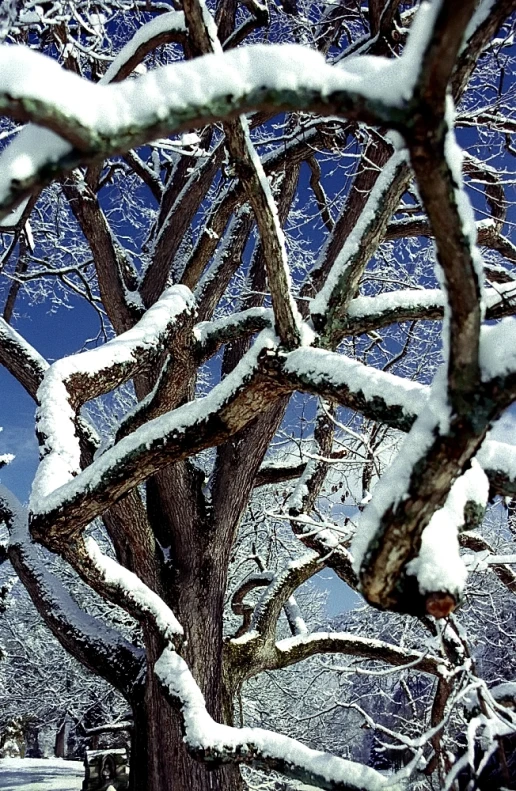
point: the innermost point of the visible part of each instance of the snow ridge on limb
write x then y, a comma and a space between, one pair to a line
330, 307
240, 397
257, 189
372, 313
21, 359
137, 596
85, 122
100, 647
295, 649
351, 383
397, 401
213, 742
438, 565
73, 380
158, 31
280, 589
450, 430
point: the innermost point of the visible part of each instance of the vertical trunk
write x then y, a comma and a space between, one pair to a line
159, 759
193, 584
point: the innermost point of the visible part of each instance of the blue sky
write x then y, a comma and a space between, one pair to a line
53, 335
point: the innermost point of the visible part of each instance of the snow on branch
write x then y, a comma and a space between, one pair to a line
124, 587
100, 647
372, 313
295, 649
206, 739
202, 423
484, 557
438, 565
280, 589
160, 30
73, 380
394, 400
330, 307
210, 741
84, 122
21, 359
249, 167
451, 428
498, 460
211, 335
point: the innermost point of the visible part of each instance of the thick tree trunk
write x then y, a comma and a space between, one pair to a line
159, 759
193, 585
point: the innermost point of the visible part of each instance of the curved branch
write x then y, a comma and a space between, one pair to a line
71, 381
280, 589
214, 743
297, 649
230, 406
91, 122
99, 647
163, 29
329, 308
21, 359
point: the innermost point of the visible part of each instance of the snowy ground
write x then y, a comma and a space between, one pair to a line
31, 774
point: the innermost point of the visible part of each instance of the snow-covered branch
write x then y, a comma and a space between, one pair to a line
60, 512
215, 743
296, 649
21, 359
329, 308
73, 380
98, 646
85, 122
280, 589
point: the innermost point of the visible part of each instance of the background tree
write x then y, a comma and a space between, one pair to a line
282, 251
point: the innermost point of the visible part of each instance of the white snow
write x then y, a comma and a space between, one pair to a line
52, 591
504, 690
454, 157
363, 307
109, 108
274, 218
33, 774
60, 453
439, 567
319, 305
132, 588
12, 219
157, 431
10, 337
203, 733
164, 23
196, 85
205, 329
498, 349
319, 365
392, 487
